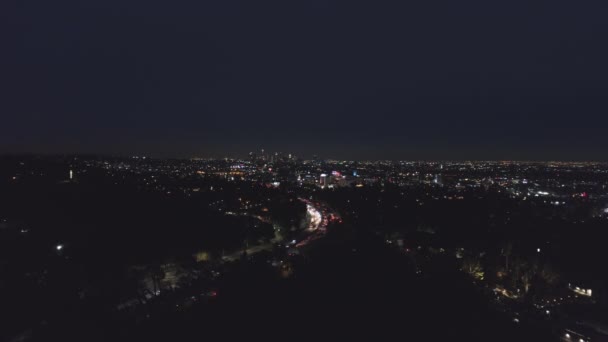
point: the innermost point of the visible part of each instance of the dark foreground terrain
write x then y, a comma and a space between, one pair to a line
346, 288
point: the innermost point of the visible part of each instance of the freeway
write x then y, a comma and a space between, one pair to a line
318, 215
318, 218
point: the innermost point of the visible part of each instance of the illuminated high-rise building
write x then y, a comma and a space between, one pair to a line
324, 180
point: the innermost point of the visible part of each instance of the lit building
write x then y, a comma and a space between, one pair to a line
324, 180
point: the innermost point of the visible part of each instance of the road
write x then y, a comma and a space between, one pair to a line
317, 226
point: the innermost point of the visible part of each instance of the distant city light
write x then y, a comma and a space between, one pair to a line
538, 250
59, 247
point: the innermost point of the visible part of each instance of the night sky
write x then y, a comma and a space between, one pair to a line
440, 79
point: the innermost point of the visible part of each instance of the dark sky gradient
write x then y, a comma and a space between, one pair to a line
438, 79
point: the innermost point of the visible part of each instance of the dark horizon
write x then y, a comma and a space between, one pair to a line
347, 80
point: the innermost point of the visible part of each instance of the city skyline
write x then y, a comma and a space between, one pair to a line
304, 157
